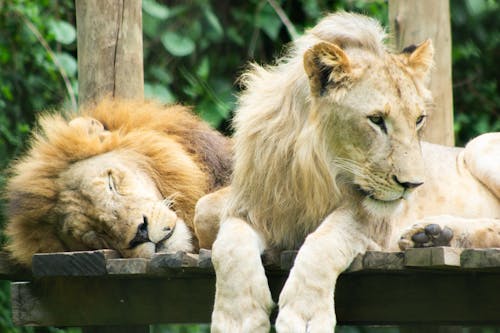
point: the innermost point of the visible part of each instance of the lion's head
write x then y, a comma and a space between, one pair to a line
121, 175
337, 118
370, 105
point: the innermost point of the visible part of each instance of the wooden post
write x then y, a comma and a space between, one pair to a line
413, 22
110, 62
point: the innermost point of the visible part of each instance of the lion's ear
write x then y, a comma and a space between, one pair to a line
420, 58
327, 67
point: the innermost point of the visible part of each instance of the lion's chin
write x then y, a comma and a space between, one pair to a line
382, 208
180, 240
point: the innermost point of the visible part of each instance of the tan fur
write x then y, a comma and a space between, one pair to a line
328, 158
58, 196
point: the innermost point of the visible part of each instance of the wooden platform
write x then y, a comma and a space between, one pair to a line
425, 286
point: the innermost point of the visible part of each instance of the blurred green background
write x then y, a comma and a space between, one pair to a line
193, 53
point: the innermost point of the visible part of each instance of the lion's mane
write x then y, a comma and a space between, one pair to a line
282, 167
184, 157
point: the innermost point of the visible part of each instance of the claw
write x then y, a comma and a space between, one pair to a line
433, 230
420, 238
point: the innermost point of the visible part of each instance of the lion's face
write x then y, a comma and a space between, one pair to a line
109, 201
374, 109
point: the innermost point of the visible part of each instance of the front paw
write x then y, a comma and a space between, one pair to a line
305, 309
293, 319
242, 316
425, 235
242, 304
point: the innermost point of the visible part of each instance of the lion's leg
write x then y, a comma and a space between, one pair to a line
446, 230
482, 156
242, 298
306, 301
207, 216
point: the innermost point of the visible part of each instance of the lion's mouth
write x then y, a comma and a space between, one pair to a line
369, 194
142, 236
161, 243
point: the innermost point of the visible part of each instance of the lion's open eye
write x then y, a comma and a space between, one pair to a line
379, 121
420, 120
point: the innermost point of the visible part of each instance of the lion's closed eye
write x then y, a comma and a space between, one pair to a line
113, 184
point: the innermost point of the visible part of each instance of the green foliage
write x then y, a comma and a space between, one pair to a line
30, 79
194, 52
476, 86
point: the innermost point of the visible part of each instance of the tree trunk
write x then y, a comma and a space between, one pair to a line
412, 22
109, 35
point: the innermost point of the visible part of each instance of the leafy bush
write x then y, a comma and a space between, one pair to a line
476, 86
193, 53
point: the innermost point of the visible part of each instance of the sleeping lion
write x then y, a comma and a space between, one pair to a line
328, 160
121, 175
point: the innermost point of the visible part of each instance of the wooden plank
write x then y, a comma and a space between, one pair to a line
424, 297
112, 301
431, 298
84, 263
205, 259
132, 266
109, 38
11, 271
480, 258
383, 261
168, 262
433, 257
412, 22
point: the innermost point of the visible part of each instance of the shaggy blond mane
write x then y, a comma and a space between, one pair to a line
272, 129
184, 157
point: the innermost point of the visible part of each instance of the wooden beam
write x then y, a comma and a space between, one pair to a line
109, 47
433, 257
422, 286
361, 298
84, 263
412, 22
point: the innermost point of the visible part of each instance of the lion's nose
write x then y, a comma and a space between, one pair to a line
142, 235
407, 184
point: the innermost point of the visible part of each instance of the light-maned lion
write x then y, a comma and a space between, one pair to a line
121, 175
328, 159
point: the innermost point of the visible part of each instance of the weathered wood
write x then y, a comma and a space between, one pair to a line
425, 297
112, 301
205, 259
10, 270
433, 257
481, 258
437, 298
84, 263
109, 38
173, 288
383, 261
133, 266
166, 262
413, 22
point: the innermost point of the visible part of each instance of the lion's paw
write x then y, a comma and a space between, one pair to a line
425, 235
292, 320
244, 318
305, 308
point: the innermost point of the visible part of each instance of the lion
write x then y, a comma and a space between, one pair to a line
122, 175
328, 159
